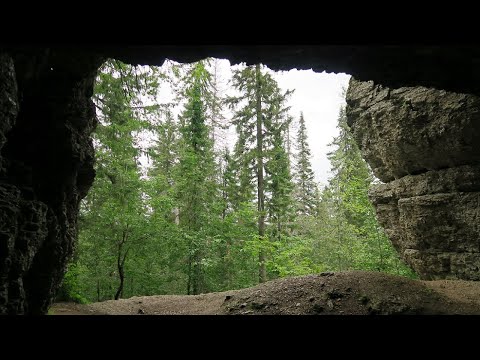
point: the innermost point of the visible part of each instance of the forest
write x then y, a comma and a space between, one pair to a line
205, 215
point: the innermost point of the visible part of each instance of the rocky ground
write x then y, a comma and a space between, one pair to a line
342, 293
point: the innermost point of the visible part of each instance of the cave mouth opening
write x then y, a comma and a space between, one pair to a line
164, 217
46, 155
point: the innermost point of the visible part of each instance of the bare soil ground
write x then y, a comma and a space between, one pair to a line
341, 293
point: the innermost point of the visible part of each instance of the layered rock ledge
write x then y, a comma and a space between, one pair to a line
424, 144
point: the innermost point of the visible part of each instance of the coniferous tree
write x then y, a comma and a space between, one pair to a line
260, 115
279, 184
217, 121
164, 156
243, 162
196, 187
305, 186
229, 184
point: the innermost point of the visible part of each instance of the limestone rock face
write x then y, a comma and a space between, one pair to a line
8, 194
424, 144
8, 98
46, 167
412, 130
433, 221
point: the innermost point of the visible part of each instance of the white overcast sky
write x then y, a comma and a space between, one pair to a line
318, 95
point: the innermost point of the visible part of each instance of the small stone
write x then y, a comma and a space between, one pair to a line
312, 299
297, 304
330, 304
327, 273
334, 294
243, 305
363, 299
257, 305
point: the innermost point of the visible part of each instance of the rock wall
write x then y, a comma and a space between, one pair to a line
46, 167
424, 144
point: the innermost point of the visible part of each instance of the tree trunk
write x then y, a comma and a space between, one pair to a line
189, 280
131, 286
289, 150
229, 265
197, 273
176, 213
98, 290
262, 273
121, 264
122, 280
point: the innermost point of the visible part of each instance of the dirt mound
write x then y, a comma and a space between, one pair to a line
342, 293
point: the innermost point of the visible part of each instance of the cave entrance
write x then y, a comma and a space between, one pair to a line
46, 155
174, 207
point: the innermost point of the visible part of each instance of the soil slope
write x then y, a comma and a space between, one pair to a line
342, 293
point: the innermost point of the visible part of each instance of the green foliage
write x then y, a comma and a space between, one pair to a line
195, 180
71, 286
279, 185
305, 187
117, 237
295, 257
261, 121
348, 215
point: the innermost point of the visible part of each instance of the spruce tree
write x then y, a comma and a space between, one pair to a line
196, 187
164, 156
305, 186
279, 183
260, 116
